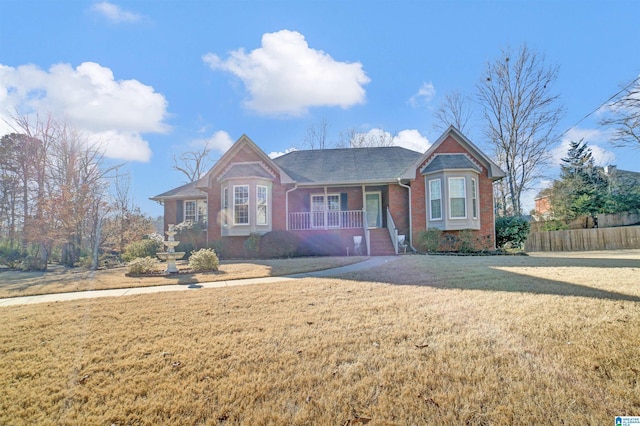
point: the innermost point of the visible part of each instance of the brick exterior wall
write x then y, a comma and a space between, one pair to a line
393, 195
398, 199
485, 236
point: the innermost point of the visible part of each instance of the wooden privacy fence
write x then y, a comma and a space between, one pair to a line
627, 237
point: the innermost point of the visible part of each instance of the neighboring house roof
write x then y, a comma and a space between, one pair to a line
188, 190
442, 162
246, 170
347, 165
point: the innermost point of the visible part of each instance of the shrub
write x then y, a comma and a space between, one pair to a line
191, 234
142, 265
511, 230
554, 225
187, 248
11, 257
141, 248
220, 247
33, 263
467, 241
429, 240
252, 245
204, 260
277, 244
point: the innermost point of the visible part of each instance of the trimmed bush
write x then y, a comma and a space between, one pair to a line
512, 230
141, 248
429, 240
252, 245
277, 244
143, 265
204, 260
220, 247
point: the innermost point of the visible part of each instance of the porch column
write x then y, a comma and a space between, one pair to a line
326, 209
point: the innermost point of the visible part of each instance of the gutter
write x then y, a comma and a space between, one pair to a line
410, 216
286, 204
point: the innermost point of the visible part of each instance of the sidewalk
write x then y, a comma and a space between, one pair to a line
62, 297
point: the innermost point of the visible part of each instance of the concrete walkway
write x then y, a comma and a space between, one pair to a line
61, 297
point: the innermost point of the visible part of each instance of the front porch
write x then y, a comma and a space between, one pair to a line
350, 211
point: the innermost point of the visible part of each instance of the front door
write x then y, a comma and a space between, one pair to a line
373, 205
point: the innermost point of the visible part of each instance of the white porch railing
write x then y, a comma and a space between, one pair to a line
393, 231
327, 219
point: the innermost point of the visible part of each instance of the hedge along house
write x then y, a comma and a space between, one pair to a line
328, 197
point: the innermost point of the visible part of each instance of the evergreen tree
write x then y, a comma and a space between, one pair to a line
582, 188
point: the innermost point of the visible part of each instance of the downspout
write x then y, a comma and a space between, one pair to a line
413, 249
286, 204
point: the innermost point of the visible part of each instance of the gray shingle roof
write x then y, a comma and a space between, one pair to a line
449, 162
347, 165
246, 170
188, 190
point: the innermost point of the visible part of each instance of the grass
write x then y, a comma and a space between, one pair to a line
424, 340
62, 280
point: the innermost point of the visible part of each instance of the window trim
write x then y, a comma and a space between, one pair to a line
225, 206
474, 198
431, 216
450, 198
264, 205
248, 205
197, 217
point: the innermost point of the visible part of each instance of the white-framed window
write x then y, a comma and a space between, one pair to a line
435, 199
241, 205
474, 198
195, 211
457, 198
325, 207
261, 205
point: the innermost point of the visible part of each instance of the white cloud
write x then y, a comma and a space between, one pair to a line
412, 139
114, 13
409, 139
220, 141
287, 77
424, 95
276, 154
115, 112
593, 137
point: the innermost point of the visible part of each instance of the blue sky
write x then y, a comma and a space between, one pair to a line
151, 79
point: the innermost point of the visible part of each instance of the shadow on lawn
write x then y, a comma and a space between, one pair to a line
484, 275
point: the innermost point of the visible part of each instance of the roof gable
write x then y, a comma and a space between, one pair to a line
244, 143
494, 171
244, 170
440, 162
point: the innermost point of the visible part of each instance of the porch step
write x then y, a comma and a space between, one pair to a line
381, 244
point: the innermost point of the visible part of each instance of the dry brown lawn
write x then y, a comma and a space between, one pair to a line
424, 340
63, 280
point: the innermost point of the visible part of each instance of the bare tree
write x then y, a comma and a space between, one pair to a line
624, 116
351, 138
521, 116
455, 110
316, 137
194, 163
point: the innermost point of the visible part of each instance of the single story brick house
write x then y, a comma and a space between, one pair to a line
376, 194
